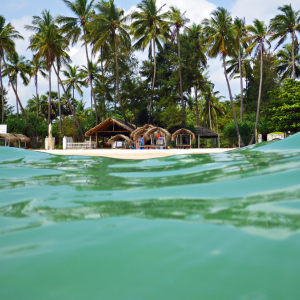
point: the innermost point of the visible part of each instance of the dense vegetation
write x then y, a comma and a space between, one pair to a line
171, 88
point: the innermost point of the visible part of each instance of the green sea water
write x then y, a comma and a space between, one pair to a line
219, 226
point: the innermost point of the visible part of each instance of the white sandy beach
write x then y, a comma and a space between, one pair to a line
134, 154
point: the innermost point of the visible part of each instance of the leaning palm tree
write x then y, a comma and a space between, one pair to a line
258, 40
76, 28
239, 26
284, 62
17, 66
284, 24
38, 67
7, 36
221, 37
149, 27
178, 21
109, 25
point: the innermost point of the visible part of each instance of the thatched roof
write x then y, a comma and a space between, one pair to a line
157, 130
118, 137
140, 131
8, 137
103, 126
205, 133
183, 131
22, 137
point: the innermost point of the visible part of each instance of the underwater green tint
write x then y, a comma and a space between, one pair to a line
212, 227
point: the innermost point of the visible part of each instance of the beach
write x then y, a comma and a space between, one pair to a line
134, 153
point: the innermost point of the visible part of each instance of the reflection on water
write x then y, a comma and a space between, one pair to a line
242, 207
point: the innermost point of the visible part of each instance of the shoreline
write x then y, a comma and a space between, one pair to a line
134, 153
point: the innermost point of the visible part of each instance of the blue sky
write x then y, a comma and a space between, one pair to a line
20, 12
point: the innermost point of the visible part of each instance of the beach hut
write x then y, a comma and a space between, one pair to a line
205, 133
109, 128
22, 138
9, 138
183, 138
158, 136
124, 140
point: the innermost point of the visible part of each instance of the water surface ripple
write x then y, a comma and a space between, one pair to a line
211, 226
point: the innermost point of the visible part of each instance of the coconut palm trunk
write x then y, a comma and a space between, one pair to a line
69, 104
90, 78
231, 99
203, 115
103, 98
117, 78
2, 90
259, 94
180, 81
37, 95
17, 106
59, 104
197, 111
49, 99
241, 83
293, 54
21, 106
153, 82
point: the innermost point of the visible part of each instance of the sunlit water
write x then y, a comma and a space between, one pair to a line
218, 226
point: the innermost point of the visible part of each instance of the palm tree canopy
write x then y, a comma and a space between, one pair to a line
284, 62
149, 23
73, 26
38, 66
220, 33
288, 22
177, 20
74, 79
257, 37
7, 36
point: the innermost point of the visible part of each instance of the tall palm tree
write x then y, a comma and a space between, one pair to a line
239, 26
284, 62
149, 27
288, 22
221, 37
7, 36
76, 27
38, 67
74, 79
17, 66
178, 21
109, 25
258, 40
2, 90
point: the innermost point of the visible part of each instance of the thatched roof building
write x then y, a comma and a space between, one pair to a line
119, 137
140, 131
157, 130
205, 133
22, 138
109, 127
183, 131
8, 137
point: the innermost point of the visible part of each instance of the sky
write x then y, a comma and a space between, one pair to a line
20, 12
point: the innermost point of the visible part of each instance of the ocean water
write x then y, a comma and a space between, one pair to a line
218, 226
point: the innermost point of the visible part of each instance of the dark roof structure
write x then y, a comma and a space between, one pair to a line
111, 126
205, 133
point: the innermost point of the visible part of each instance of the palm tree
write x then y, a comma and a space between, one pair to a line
76, 27
2, 90
7, 36
17, 66
38, 67
149, 27
221, 37
178, 21
74, 79
283, 24
257, 39
110, 26
239, 26
284, 62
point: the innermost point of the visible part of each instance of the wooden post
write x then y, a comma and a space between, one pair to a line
5, 142
239, 141
19, 144
255, 136
219, 144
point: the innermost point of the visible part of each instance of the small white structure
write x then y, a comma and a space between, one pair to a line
3, 128
275, 136
68, 144
47, 143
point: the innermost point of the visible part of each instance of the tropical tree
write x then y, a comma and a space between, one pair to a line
17, 66
2, 91
284, 24
76, 28
149, 27
178, 21
37, 67
7, 45
258, 40
239, 26
284, 62
221, 37
109, 25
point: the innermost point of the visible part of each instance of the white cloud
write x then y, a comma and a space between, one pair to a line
258, 9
